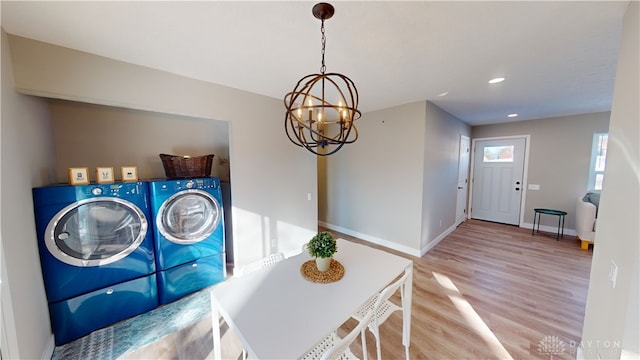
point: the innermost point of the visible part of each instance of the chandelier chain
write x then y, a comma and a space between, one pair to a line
324, 41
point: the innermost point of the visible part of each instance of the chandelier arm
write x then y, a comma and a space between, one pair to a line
315, 135
288, 123
335, 150
300, 133
293, 122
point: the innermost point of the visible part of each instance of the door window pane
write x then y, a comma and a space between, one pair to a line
498, 154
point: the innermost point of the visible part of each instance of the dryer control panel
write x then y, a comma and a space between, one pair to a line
196, 183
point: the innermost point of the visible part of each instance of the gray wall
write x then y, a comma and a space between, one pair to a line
611, 323
395, 185
28, 157
440, 174
374, 186
559, 157
88, 135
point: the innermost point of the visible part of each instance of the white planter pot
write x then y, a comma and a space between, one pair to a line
323, 264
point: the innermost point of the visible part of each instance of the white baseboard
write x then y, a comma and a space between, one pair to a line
373, 239
390, 244
435, 242
431, 244
47, 354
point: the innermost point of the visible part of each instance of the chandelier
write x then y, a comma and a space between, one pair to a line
322, 108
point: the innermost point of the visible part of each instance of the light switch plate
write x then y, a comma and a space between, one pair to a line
534, 187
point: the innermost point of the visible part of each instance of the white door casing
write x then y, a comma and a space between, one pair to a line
463, 179
498, 179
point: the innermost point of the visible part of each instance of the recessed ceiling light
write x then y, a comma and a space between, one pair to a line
512, 115
496, 80
443, 94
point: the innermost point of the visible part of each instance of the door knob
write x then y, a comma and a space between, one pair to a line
460, 188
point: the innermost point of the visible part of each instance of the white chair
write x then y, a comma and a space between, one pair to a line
261, 264
335, 348
585, 222
382, 307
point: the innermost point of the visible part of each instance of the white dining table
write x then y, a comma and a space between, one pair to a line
278, 314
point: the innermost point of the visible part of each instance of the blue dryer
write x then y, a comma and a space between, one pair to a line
188, 235
96, 254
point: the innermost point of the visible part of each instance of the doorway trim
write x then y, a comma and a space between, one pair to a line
467, 177
525, 175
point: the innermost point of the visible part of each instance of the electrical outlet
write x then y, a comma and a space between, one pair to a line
613, 273
309, 196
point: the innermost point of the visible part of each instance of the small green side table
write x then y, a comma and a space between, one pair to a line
560, 214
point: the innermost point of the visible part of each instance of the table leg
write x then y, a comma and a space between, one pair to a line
406, 312
558, 235
533, 228
215, 326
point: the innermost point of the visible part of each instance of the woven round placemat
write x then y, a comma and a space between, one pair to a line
310, 271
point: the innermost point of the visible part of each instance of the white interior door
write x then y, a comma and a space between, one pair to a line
463, 180
497, 180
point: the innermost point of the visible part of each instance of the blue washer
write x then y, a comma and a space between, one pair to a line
90, 238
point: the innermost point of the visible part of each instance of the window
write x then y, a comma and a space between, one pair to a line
498, 154
598, 160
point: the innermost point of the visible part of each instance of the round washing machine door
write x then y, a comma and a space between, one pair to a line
96, 231
189, 216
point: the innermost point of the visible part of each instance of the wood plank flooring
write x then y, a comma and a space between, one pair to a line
486, 291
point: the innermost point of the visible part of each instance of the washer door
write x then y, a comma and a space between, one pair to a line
189, 216
96, 231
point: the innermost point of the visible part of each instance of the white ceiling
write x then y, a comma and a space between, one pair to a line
558, 57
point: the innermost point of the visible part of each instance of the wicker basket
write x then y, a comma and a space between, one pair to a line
180, 167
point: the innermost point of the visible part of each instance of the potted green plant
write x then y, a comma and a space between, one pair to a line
322, 246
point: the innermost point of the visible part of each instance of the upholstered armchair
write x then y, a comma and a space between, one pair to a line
586, 212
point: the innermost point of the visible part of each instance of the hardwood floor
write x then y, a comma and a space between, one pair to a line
494, 291
486, 291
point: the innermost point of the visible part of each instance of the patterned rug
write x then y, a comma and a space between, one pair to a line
131, 334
